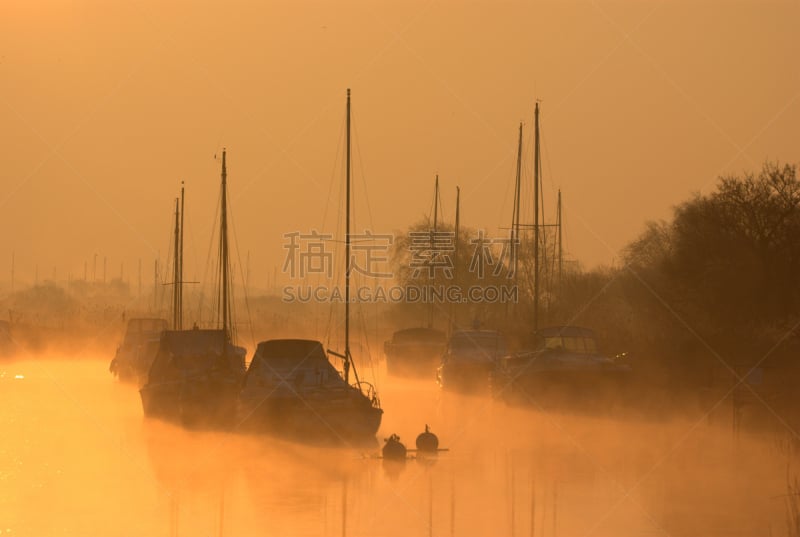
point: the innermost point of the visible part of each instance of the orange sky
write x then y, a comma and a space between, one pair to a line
107, 106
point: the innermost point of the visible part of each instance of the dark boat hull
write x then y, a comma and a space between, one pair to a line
577, 389
312, 419
206, 403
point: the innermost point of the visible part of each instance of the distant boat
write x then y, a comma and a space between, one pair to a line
414, 351
291, 388
196, 375
565, 368
138, 349
417, 351
6, 343
469, 359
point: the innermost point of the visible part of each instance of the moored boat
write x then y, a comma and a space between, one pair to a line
291, 389
414, 352
564, 369
196, 375
195, 379
470, 358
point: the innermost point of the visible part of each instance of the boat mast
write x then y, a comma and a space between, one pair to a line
560, 250
516, 215
223, 250
536, 220
436, 204
453, 320
179, 282
176, 268
347, 255
433, 242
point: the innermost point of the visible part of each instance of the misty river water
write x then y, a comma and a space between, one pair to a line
78, 458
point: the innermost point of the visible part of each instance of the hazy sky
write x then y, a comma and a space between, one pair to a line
106, 106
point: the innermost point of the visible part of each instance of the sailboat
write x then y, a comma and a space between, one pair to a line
291, 389
417, 351
470, 354
197, 373
563, 366
142, 338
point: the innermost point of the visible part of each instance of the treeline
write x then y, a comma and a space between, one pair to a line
714, 288
720, 277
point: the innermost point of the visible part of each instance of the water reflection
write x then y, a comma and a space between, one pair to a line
79, 459
393, 468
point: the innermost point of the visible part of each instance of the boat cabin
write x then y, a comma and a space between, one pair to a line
142, 330
417, 336
571, 339
481, 345
296, 363
195, 352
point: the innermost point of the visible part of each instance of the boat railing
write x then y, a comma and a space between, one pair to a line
370, 392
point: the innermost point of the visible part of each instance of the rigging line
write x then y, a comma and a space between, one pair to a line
441, 206
209, 260
553, 191
338, 254
361, 164
356, 142
542, 234
432, 208
553, 188
215, 263
541, 180
226, 313
194, 292
369, 348
356, 306
244, 280
505, 199
563, 230
337, 162
526, 183
167, 270
226, 310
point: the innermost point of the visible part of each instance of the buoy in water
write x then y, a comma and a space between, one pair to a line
427, 442
393, 449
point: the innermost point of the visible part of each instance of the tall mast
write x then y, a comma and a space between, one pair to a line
223, 249
436, 204
179, 282
516, 215
560, 250
176, 267
453, 321
536, 220
347, 255
458, 217
433, 242
155, 282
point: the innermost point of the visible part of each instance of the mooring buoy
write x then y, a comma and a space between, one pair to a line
427, 442
393, 449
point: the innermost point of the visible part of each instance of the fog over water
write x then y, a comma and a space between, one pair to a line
655, 305
78, 458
